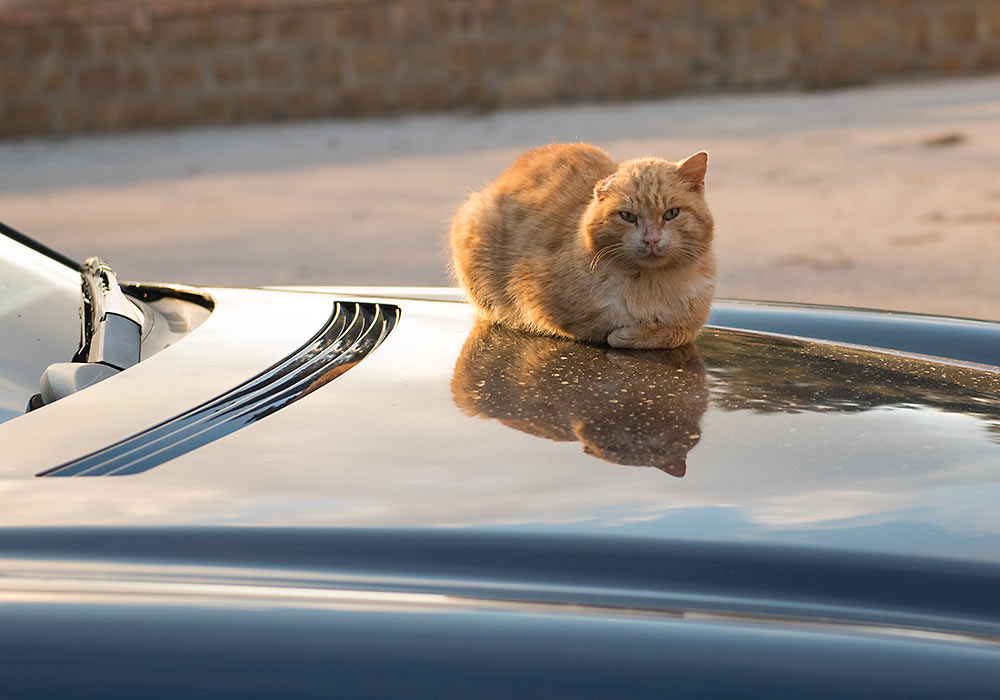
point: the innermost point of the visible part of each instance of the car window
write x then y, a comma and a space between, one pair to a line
39, 320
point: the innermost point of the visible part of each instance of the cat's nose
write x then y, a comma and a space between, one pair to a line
651, 236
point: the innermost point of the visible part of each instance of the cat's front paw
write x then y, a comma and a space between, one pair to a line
649, 337
623, 337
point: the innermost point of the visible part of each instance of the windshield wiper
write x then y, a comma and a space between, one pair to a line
110, 340
112, 324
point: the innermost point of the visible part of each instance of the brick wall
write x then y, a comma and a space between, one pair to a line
97, 65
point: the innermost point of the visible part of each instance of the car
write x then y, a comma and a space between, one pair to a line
365, 492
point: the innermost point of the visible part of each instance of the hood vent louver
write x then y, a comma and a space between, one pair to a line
352, 331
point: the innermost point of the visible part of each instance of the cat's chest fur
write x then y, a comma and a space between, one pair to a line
654, 297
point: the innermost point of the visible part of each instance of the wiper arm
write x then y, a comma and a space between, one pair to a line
110, 341
112, 325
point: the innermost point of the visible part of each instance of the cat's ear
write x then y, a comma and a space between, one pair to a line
677, 467
603, 188
692, 170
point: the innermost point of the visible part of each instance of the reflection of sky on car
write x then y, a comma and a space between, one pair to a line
385, 445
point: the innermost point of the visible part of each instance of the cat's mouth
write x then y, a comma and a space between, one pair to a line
652, 257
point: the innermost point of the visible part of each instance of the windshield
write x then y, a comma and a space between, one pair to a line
39, 320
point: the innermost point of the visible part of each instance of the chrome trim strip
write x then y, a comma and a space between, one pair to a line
352, 331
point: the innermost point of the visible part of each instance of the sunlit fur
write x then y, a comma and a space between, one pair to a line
545, 249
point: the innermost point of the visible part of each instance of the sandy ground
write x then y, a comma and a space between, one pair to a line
880, 197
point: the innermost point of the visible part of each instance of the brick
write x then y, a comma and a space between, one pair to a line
31, 117
180, 73
476, 95
271, 67
636, 46
242, 29
762, 71
442, 18
423, 96
294, 27
99, 80
683, 41
771, 10
408, 20
833, 72
660, 10
76, 41
622, 84
363, 101
466, 18
579, 84
490, 16
163, 112
578, 13
499, 55
115, 40
860, 31
10, 44
583, 48
323, 24
229, 69
771, 37
891, 65
810, 36
14, 80
539, 53
725, 39
137, 78
422, 58
988, 58
66, 117
111, 115
215, 109
994, 22
38, 42
372, 60
188, 33
705, 76
669, 80
258, 106
958, 27
534, 14
729, 9
528, 88
323, 64
946, 63
359, 24
461, 58
309, 103
616, 15
52, 76
914, 33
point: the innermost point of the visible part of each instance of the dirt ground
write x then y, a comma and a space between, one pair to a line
884, 196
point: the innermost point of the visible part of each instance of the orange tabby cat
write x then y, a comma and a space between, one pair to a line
567, 242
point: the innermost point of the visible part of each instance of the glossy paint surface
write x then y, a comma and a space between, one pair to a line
218, 643
448, 424
758, 516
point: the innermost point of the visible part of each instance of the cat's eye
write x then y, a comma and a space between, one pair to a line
671, 214
628, 216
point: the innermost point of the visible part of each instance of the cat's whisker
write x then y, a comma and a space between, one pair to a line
608, 250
